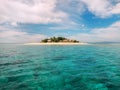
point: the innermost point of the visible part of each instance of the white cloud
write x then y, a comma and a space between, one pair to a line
30, 11
15, 36
71, 6
116, 9
109, 34
68, 26
14, 24
53, 11
103, 8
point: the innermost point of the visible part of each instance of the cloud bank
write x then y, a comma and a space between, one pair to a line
109, 34
103, 8
30, 11
17, 36
53, 11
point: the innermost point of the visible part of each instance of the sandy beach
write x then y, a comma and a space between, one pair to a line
56, 44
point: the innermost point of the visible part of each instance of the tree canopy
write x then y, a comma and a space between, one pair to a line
58, 39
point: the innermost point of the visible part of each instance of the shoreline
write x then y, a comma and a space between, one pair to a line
56, 44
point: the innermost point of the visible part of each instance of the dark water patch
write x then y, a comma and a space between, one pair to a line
84, 83
68, 87
46, 57
78, 83
22, 86
44, 68
59, 58
87, 60
105, 80
53, 83
9, 86
19, 78
55, 72
13, 63
3, 81
40, 68
33, 55
36, 75
100, 66
111, 86
4, 56
14, 78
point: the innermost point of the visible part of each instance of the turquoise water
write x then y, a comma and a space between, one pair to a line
85, 67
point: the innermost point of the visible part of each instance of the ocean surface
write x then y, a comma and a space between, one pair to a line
74, 67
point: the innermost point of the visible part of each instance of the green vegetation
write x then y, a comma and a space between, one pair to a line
58, 39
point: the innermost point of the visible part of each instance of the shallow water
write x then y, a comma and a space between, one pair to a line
84, 67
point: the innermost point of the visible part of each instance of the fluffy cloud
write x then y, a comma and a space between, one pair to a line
15, 36
109, 34
103, 8
116, 9
53, 11
30, 11
71, 6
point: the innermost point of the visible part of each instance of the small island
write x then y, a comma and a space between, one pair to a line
58, 40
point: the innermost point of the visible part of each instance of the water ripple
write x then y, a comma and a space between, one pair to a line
93, 67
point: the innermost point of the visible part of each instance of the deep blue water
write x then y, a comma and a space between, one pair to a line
80, 67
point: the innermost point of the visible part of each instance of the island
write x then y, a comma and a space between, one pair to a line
57, 41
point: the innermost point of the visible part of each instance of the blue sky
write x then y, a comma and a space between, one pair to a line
24, 21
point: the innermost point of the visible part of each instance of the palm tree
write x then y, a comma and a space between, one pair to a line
59, 39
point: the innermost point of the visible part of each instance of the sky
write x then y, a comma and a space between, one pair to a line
25, 21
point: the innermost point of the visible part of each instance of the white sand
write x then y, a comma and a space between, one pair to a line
56, 44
